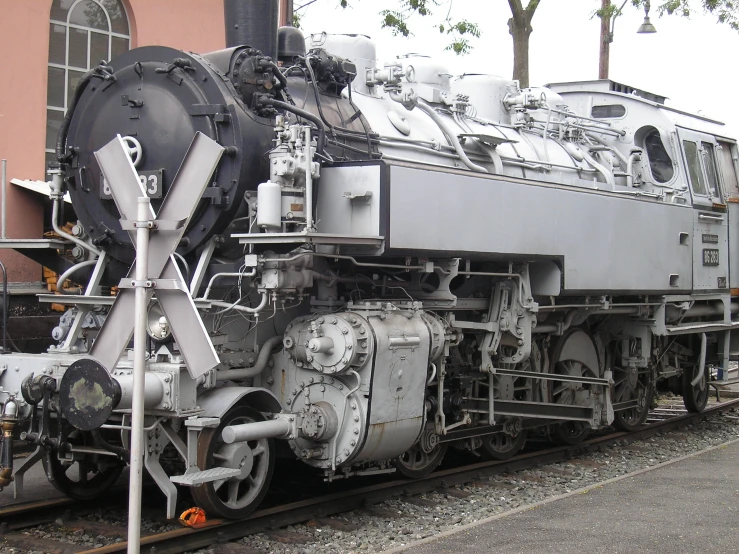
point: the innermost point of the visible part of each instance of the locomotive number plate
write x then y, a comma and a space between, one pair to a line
150, 180
710, 256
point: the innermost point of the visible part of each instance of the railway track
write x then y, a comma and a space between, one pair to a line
14, 518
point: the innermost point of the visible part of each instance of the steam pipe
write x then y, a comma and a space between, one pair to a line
278, 73
602, 142
633, 157
429, 110
607, 175
64, 276
257, 368
103, 72
269, 101
235, 306
308, 182
56, 200
557, 328
251, 273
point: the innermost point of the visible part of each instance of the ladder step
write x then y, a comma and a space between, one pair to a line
207, 476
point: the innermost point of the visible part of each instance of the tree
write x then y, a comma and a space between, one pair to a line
461, 31
397, 21
519, 25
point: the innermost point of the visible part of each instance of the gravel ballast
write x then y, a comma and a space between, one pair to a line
400, 521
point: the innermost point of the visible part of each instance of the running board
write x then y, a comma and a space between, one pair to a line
691, 328
535, 410
208, 476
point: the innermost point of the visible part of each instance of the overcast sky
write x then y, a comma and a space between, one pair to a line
691, 61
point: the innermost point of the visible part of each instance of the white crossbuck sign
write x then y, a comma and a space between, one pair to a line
163, 274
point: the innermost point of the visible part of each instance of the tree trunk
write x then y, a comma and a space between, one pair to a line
605, 41
519, 25
520, 52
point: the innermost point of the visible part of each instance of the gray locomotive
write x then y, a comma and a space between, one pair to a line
382, 263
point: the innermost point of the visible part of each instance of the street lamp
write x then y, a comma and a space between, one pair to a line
608, 25
647, 26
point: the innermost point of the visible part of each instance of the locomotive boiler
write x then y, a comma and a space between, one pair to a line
372, 264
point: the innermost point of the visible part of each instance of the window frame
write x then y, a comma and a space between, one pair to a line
650, 130
601, 118
699, 138
66, 67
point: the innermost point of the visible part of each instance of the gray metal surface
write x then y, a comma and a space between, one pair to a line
599, 236
349, 201
207, 476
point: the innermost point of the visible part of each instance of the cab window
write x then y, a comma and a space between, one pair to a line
726, 154
660, 163
692, 154
709, 158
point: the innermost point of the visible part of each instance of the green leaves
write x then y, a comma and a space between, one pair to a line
460, 32
726, 11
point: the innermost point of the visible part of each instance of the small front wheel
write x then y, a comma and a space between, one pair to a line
238, 496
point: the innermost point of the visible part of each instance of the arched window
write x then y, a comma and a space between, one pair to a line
81, 34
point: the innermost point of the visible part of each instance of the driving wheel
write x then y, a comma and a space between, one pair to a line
423, 457
695, 390
573, 355
630, 384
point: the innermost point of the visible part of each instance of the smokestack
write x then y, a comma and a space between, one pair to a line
252, 23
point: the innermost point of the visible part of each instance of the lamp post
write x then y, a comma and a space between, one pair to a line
286, 13
607, 26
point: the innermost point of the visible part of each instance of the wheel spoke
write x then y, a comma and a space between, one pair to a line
233, 491
218, 484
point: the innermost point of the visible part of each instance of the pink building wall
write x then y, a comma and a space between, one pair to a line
195, 25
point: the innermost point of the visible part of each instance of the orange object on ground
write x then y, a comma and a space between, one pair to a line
192, 517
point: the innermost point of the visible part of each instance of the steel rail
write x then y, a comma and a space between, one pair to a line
219, 531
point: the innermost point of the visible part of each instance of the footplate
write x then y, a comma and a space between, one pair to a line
207, 476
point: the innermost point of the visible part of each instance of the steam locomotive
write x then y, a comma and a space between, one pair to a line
382, 263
